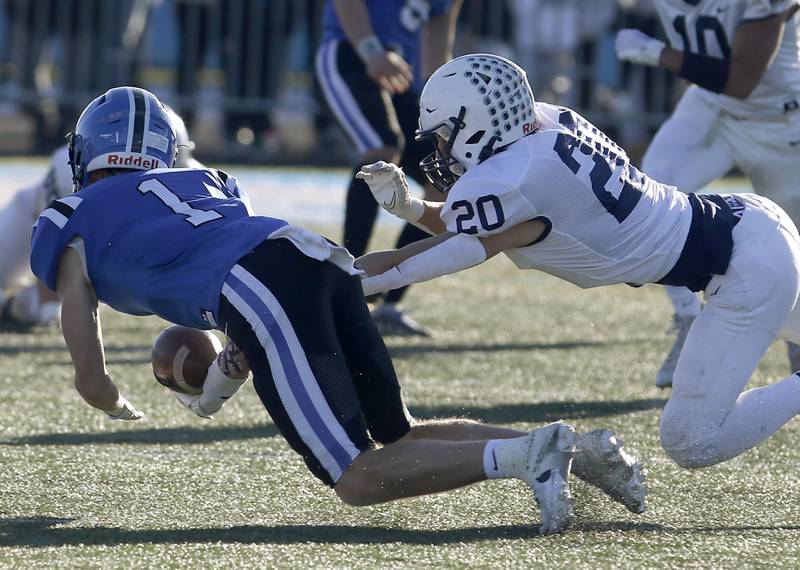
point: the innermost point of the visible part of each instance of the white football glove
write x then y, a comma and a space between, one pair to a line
124, 410
217, 389
192, 401
388, 185
637, 47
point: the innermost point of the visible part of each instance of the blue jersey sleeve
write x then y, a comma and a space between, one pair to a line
49, 239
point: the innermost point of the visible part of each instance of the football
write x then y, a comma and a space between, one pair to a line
181, 357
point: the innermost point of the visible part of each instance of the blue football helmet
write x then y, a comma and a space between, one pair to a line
127, 127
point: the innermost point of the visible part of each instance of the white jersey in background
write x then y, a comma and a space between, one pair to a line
707, 27
607, 222
21, 212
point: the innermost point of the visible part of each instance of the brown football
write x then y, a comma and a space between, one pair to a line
181, 357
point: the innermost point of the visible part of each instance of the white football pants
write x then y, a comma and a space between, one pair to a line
708, 418
700, 143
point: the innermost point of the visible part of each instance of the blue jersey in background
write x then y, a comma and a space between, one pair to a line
397, 23
157, 242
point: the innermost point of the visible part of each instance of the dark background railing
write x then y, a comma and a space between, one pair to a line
241, 71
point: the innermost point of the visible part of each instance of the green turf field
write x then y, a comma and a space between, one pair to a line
514, 348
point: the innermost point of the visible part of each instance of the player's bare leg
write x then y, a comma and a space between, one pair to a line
412, 467
599, 458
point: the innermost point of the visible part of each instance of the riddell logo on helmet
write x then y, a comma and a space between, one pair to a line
136, 162
527, 128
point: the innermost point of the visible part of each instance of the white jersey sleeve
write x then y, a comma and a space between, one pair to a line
761, 9
484, 206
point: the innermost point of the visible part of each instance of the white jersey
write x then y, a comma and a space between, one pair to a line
607, 222
19, 215
707, 27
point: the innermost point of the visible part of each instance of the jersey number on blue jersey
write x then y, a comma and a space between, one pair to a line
193, 215
598, 151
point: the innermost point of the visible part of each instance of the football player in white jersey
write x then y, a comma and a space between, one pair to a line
551, 191
33, 304
743, 110
29, 304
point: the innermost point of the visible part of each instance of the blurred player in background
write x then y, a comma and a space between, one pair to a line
742, 111
32, 303
21, 302
319, 364
371, 64
553, 192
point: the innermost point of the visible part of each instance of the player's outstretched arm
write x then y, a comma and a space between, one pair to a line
440, 255
389, 186
80, 325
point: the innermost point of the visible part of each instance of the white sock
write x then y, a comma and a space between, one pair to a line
504, 458
685, 302
217, 389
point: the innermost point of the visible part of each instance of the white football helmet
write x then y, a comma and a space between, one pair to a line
185, 144
473, 106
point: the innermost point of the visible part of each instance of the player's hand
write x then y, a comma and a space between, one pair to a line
637, 47
192, 401
376, 262
389, 186
390, 71
125, 411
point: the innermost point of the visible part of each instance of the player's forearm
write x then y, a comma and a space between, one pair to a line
438, 37
671, 59
354, 18
378, 262
98, 391
451, 255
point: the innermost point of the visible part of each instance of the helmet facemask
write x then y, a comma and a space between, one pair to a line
441, 168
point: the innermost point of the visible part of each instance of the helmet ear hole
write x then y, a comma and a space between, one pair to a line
476, 137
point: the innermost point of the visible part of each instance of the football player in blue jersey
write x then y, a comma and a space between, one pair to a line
183, 244
31, 304
371, 64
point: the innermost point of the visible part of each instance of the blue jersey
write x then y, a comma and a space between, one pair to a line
397, 23
158, 242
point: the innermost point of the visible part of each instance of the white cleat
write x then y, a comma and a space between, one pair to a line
550, 454
391, 320
601, 461
681, 326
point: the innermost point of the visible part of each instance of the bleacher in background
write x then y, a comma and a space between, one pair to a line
241, 71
